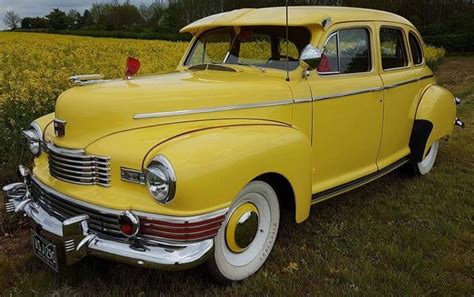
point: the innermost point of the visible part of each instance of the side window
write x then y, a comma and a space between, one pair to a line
415, 47
346, 51
392, 48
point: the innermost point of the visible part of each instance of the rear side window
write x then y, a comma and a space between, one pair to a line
346, 51
392, 47
415, 47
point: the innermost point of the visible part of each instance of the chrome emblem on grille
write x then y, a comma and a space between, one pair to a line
59, 127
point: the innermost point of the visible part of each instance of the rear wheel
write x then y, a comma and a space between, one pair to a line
248, 234
425, 166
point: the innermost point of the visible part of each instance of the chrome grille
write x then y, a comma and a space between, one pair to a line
75, 166
102, 223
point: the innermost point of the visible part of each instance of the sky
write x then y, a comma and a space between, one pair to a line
33, 8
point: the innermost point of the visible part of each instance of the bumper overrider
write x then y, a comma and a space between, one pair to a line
77, 235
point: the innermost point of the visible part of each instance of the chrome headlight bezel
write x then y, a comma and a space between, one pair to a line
160, 169
34, 138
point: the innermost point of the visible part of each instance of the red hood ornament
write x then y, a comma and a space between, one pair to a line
133, 65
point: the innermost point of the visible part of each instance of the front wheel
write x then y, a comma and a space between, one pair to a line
247, 235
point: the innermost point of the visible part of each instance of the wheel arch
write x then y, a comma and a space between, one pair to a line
283, 189
434, 120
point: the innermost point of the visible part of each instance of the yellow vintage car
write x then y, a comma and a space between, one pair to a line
172, 170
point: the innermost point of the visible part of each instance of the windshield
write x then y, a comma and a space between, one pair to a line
260, 46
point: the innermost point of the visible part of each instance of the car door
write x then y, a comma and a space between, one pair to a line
347, 108
401, 90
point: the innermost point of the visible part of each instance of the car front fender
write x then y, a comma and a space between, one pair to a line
213, 165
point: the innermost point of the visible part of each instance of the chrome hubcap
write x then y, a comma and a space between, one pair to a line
242, 227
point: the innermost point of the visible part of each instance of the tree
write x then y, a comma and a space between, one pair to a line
86, 20
11, 19
58, 19
39, 23
26, 23
73, 19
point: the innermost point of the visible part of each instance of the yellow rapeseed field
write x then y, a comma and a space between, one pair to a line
38, 65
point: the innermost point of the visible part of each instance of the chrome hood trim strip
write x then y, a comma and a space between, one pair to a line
210, 109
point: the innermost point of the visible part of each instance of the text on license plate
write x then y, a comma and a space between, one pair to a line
45, 250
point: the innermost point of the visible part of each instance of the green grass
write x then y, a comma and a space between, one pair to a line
396, 236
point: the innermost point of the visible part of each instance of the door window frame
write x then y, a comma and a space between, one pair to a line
422, 48
372, 42
405, 46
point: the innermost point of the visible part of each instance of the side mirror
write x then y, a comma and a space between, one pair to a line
311, 56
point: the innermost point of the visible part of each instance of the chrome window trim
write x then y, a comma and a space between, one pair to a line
210, 109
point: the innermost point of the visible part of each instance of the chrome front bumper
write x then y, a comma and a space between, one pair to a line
74, 240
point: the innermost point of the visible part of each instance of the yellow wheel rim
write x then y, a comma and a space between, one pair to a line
242, 227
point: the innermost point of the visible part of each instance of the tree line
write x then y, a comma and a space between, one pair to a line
432, 17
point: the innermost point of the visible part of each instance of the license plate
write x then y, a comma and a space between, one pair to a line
45, 250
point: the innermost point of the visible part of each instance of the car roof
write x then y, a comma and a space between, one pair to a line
298, 16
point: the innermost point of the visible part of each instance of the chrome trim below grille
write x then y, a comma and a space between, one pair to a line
99, 221
75, 166
171, 230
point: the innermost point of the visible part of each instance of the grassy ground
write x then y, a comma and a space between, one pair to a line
396, 236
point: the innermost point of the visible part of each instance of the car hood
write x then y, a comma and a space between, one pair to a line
96, 111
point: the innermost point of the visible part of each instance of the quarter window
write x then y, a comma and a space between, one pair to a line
392, 47
346, 51
415, 47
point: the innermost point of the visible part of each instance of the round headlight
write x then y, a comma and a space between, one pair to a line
160, 180
33, 138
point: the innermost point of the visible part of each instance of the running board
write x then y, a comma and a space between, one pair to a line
324, 195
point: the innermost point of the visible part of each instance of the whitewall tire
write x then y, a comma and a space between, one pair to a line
425, 166
247, 235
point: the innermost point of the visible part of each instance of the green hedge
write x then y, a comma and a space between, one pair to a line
453, 42
115, 34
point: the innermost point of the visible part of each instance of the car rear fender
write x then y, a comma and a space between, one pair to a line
434, 120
